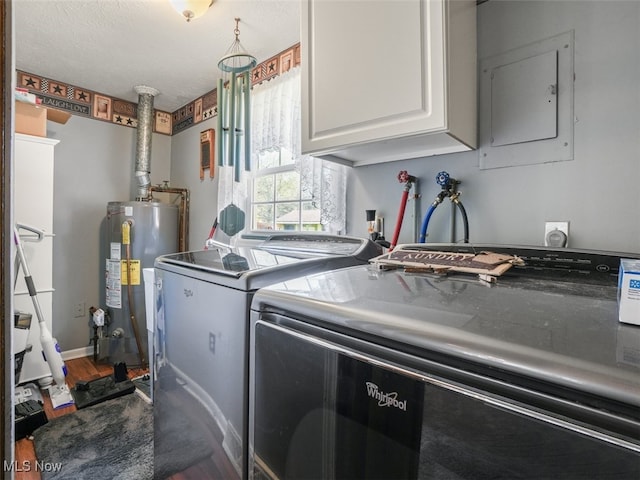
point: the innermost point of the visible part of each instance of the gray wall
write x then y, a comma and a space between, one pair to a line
185, 173
597, 192
94, 164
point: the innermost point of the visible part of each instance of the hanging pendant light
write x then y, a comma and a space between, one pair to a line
234, 122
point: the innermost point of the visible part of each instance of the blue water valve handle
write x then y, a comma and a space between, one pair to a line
442, 179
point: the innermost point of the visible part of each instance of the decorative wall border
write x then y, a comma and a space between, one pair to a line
83, 102
206, 106
97, 106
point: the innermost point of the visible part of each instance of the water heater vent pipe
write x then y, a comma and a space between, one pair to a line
143, 140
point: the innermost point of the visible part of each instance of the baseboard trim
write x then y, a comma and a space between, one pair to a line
77, 353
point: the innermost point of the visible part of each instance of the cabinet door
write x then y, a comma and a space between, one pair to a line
33, 182
371, 70
33, 206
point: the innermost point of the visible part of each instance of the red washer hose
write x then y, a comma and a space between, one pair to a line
403, 177
396, 232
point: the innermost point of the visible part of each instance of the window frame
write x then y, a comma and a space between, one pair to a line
300, 200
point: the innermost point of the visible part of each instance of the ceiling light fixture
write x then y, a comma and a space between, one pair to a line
191, 9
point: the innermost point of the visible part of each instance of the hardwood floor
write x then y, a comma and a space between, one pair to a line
216, 467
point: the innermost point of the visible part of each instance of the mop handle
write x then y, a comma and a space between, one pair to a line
27, 275
36, 231
39, 235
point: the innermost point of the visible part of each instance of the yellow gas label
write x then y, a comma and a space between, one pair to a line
135, 272
126, 228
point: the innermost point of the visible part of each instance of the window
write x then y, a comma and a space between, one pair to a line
279, 202
285, 190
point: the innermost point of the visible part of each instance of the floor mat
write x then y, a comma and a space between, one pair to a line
109, 441
114, 440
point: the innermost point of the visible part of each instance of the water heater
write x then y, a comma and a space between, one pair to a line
137, 233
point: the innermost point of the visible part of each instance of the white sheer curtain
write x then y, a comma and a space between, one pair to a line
327, 184
275, 114
276, 124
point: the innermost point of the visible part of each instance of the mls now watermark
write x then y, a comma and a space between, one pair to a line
29, 466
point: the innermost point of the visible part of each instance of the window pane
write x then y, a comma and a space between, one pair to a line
287, 186
310, 217
264, 189
263, 217
288, 216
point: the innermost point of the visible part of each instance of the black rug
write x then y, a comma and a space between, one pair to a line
109, 441
114, 440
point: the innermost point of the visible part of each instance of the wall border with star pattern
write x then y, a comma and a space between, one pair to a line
97, 106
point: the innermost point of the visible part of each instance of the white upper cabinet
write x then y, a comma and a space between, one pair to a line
388, 80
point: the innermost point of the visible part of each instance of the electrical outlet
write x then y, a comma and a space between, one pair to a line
78, 310
556, 234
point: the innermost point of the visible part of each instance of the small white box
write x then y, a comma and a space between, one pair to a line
629, 291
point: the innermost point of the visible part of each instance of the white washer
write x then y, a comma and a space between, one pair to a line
200, 368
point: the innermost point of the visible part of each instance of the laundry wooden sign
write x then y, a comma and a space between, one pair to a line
488, 263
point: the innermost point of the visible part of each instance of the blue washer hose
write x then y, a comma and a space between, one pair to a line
425, 222
448, 190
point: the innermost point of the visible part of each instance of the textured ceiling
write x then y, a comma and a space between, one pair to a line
110, 46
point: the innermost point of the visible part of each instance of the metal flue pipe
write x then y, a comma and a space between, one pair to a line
143, 144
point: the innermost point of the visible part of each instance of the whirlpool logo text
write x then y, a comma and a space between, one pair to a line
385, 399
